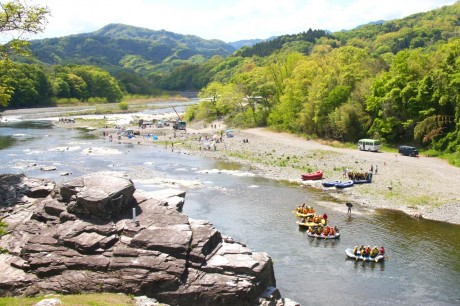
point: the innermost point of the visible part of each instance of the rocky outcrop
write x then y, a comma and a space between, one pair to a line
97, 234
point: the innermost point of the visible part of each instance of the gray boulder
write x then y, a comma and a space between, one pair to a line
99, 247
101, 194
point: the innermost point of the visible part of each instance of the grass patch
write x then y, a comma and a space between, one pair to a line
96, 123
337, 144
424, 201
99, 299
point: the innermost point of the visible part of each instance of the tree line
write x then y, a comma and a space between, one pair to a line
398, 81
346, 93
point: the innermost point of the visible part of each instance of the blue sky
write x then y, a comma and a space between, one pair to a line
227, 20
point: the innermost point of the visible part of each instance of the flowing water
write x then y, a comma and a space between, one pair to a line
423, 264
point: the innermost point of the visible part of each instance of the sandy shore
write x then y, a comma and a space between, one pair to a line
422, 187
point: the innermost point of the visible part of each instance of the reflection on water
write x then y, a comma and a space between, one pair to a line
84, 134
21, 131
27, 125
6, 141
423, 264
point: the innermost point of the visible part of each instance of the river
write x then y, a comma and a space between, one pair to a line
423, 264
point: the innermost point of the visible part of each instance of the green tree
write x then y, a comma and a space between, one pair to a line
100, 84
256, 92
30, 85
17, 18
217, 100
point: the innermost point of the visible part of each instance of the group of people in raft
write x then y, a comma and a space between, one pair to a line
305, 210
320, 228
331, 231
308, 213
324, 231
368, 251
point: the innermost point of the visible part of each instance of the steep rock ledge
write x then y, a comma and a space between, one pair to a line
82, 237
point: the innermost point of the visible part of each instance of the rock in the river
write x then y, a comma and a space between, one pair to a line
48, 168
84, 239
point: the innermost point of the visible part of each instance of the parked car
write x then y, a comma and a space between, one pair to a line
180, 125
408, 151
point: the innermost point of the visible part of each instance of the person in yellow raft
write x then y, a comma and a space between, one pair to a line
304, 209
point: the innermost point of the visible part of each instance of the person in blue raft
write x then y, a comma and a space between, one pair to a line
368, 252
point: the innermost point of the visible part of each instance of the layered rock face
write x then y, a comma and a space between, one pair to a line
98, 234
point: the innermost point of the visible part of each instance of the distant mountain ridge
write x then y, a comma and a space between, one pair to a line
248, 42
128, 46
370, 23
174, 61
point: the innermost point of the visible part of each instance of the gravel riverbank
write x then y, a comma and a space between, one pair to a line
422, 187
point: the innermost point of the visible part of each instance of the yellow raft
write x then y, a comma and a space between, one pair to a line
309, 224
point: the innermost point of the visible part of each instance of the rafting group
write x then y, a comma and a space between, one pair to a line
321, 232
366, 253
313, 220
316, 224
317, 228
304, 211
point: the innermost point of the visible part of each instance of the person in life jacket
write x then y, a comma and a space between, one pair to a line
355, 250
374, 251
319, 230
368, 250
382, 251
332, 232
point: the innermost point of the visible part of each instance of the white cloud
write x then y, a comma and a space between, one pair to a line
227, 20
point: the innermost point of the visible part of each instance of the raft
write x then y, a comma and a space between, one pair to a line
299, 214
351, 255
321, 236
310, 224
331, 183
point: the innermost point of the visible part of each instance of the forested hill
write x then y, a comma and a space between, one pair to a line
416, 31
127, 46
398, 81
302, 42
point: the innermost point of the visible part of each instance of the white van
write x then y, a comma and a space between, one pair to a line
369, 145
